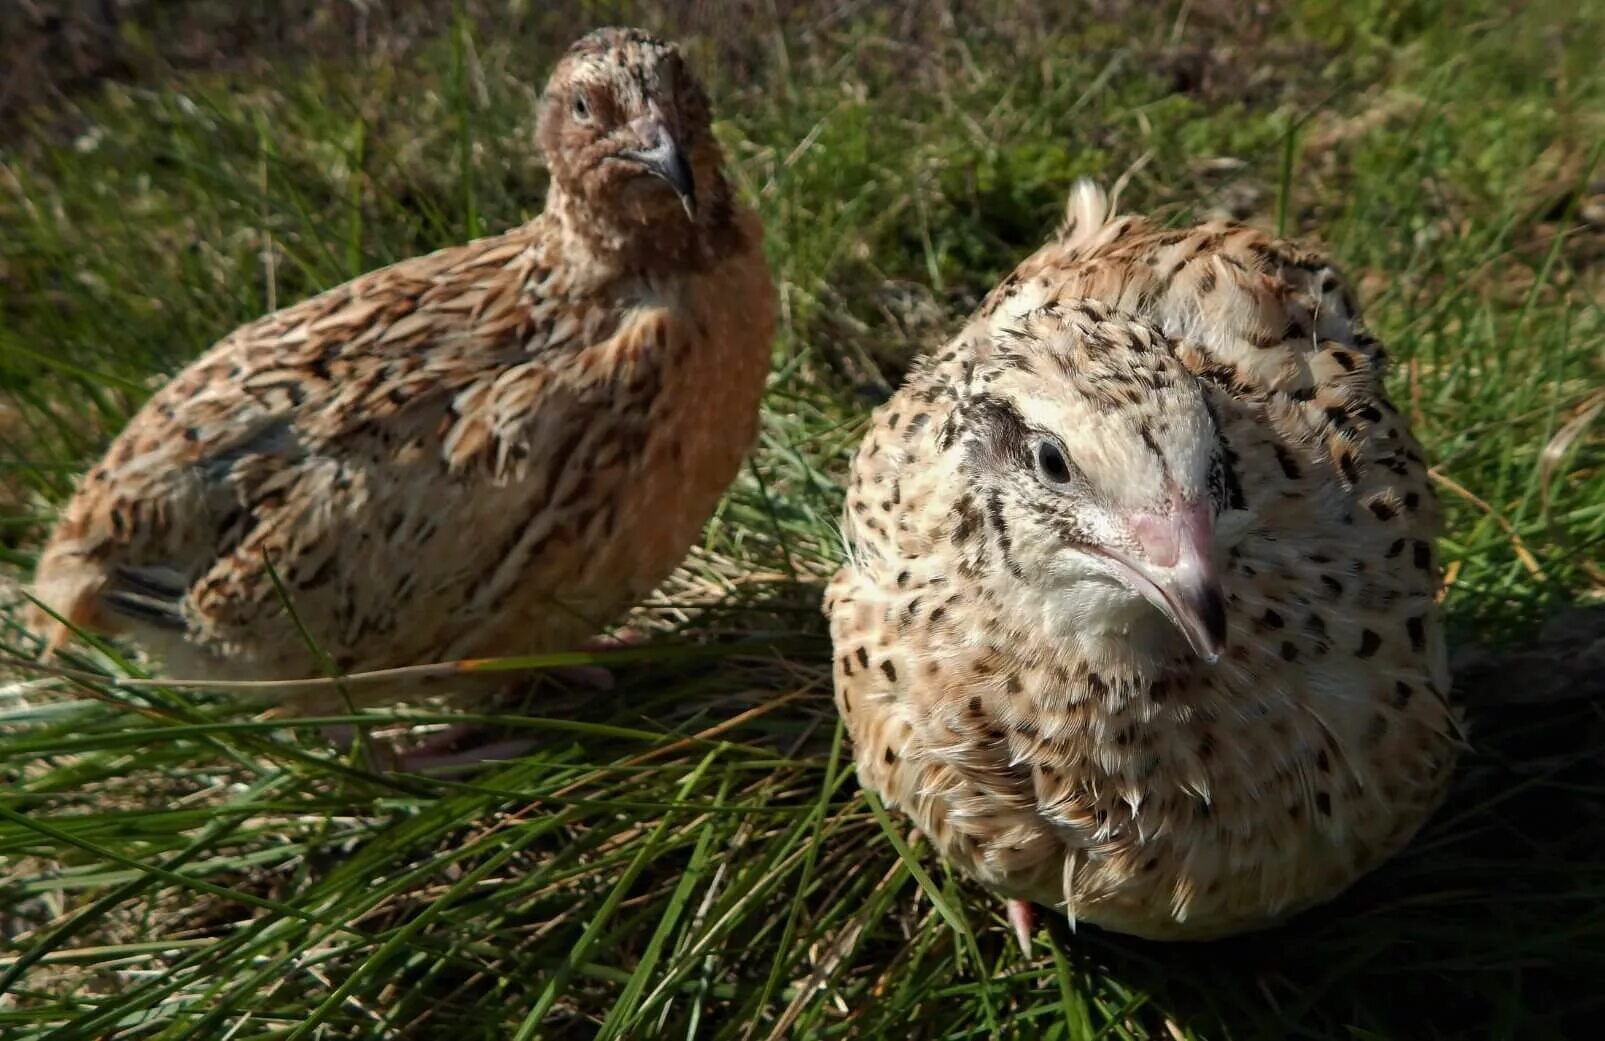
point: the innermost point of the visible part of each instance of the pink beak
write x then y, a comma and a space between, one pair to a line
1177, 573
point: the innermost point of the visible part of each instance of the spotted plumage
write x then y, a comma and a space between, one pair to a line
1137, 619
494, 448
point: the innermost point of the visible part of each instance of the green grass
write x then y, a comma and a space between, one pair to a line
691, 856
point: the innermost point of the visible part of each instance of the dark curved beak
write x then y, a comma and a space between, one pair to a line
664, 159
1199, 611
1177, 574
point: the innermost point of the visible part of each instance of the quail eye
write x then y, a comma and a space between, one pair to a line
582, 111
1052, 466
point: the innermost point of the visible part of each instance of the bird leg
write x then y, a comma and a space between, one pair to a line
1023, 919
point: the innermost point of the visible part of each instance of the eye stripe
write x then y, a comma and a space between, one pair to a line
997, 433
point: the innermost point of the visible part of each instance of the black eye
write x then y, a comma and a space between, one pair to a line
582, 111
1052, 466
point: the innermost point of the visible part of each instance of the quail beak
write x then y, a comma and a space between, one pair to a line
665, 159
1177, 573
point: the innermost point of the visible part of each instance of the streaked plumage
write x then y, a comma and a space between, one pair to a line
494, 448
1149, 447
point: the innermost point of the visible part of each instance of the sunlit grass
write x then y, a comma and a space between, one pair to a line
690, 856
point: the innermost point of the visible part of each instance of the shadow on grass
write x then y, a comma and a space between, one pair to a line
1486, 925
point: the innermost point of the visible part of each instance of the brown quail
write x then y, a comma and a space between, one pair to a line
494, 448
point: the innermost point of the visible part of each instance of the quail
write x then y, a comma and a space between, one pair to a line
494, 448
1137, 618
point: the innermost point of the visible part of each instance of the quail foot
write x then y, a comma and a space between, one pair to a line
496, 448
1137, 617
